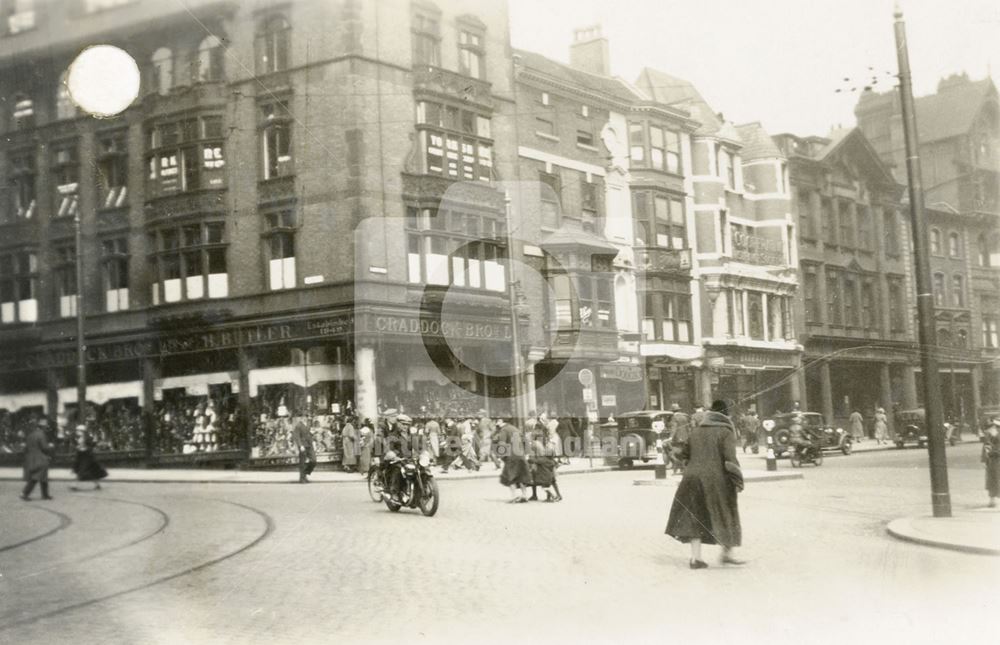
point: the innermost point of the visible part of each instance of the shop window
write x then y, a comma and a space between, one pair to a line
163, 70
18, 287
426, 36
112, 170
65, 107
954, 245
957, 291
456, 142
939, 298
114, 273
66, 177
185, 155
471, 53
64, 271
20, 16
22, 189
550, 191
280, 239
210, 61
276, 140
935, 241
190, 263
272, 44
24, 112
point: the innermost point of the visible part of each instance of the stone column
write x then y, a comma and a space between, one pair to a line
247, 361
150, 372
909, 387
885, 394
795, 390
530, 396
977, 400
704, 387
364, 382
826, 388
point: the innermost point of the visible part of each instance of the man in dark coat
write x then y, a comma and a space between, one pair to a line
37, 454
704, 507
680, 431
303, 440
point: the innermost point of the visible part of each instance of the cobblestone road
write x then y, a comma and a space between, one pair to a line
145, 563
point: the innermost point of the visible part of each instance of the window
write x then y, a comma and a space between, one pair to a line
739, 323
637, 144
826, 219
185, 155
957, 291
24, 112
991, 322
457, 142
64, 271
668, 314
775, 317
210, 60
664, 149
545, 126
588, 204
810, 289
114, 273
585, 138
276, 140
18, 288
272, 44
21, 16
455, 248
65, 107
727, 169
755, 315
897, 306
869, 313
939, 289
891, 231
471, 54
562, 304
545, 99
163, 70
954, 245
280, 239
112, 170
962, 339
550, 191
850, 300
935, 241
22, 179
834, 315
806, 228
584, 111
985, 250
846, 223
666, 228
426, 32
593, 299
864, 229
190, 262
66, 175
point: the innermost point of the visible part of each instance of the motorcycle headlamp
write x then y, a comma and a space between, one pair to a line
424, 460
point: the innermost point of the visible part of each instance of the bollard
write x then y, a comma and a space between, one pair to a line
661, 464
772, 462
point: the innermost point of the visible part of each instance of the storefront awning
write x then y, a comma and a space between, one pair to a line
102, 393
15, 402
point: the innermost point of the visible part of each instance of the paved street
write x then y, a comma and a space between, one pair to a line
231, 563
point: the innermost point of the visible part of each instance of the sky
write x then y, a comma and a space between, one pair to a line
779, 62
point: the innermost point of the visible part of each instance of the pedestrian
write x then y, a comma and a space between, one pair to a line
991, 458
705, 509
302, 439
433, 431
485, 432
751, 432
680, 424
697, 416
881, 427
543, 468
85, 465
857, 426
37, 455
349, 441
515, 474
366, 438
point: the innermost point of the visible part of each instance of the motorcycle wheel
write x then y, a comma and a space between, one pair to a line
375, 486
429, 500
796, 461
392, 506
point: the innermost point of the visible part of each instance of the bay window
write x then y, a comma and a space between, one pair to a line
456, 142
114, 273
185, 155
456, 248
667, 313
18, 287
666, 228
190, 263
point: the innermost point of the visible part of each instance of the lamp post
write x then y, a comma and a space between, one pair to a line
517, 391
940, 498
81, 347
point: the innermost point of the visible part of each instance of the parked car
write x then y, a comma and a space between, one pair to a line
826, 436
638, 433
910, 427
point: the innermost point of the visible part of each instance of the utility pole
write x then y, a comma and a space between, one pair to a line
81, 347
517, 392
940, 498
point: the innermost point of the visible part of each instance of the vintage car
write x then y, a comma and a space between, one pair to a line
638, 434
828, 437
910, 427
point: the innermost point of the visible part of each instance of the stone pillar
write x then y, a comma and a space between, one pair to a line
909, 387
704, 387
364, 382
977, 400
885, 394
150, 372
530, 396
826, 388
795, 390
246, 361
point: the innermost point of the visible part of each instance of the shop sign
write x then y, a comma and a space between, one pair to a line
588, 395
458, 329
627, 373
609, 400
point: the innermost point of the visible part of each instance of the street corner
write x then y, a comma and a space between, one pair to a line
974, 531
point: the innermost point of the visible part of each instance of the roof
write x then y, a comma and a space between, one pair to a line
677, 92
573, 236
952, 111
757, 143
842, 137
610, 85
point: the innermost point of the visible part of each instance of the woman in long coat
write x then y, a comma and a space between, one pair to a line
515, 472
705, 509
881, 426
365, 454
37, 453
991, 457
349, 439
85, 465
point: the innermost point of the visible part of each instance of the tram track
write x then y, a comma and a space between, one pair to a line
64, 522
268, 529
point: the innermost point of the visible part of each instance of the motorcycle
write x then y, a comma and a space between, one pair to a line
811, 454
376, 483
418, 490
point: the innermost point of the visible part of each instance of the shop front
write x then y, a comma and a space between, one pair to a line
763, 380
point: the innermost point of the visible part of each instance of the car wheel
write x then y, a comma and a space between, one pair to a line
819, 460
846, 449
625, 464
899, 444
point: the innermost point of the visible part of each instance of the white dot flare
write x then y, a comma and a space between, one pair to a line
103, 80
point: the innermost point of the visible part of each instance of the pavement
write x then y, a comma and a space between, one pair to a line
973, 531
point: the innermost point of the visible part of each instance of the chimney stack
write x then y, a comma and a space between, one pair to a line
589, 51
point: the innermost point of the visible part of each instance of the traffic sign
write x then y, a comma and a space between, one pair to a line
586, 377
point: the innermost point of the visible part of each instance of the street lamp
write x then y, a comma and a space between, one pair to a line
940, 498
